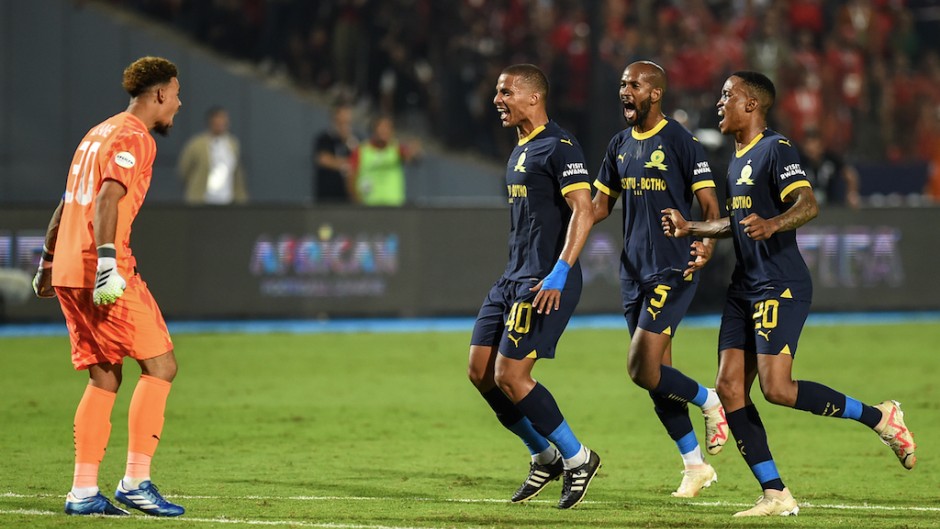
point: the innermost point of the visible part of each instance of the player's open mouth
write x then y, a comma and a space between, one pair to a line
629, 110
721, 116
503, 114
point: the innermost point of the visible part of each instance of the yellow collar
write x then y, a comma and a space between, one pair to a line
650, 133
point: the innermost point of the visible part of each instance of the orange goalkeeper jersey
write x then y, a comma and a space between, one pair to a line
120, 149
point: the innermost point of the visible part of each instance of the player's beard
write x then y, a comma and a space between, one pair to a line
162, 129
642, 110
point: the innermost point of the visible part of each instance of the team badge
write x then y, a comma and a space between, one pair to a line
656, 160
520, 163
745, 177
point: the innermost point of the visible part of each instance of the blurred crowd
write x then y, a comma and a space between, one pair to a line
862, 74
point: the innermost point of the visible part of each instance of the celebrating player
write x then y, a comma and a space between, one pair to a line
656, 164
109, 311
527, 309
770, 292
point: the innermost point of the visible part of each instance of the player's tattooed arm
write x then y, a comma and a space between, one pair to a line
675, 225
803, 210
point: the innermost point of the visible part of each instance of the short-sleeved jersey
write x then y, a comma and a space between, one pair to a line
120, 149
544, 166
653, 170
760, 176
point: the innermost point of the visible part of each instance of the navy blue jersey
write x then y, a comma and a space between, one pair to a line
760, 176
544, 166
653, 170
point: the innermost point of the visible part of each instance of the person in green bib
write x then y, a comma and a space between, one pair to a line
378, 166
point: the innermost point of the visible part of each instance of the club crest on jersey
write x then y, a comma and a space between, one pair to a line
745, 176
656, 160
125, 159
520, 164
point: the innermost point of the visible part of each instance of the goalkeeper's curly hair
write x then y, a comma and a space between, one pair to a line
147, 72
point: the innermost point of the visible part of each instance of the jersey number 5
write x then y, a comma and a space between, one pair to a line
83, 175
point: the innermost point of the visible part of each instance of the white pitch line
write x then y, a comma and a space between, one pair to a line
231, 521
863, 507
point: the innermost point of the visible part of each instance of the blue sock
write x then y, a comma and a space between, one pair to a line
540, 408
822, 400
673, 384
675, 417
533, 440
510, 417
748, 431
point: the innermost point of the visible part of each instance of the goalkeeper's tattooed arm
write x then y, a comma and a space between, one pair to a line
42, 281
109, 285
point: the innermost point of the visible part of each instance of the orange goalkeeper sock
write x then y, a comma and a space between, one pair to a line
92, 428
144, 427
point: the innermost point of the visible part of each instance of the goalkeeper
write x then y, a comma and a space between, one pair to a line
87, 263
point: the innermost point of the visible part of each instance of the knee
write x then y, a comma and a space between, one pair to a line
641, 375
510, 384
167, 373
729, 391
478, 377
779, 394
504, 382
165, 368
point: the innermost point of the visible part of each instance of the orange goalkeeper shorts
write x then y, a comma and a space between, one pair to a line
132, 326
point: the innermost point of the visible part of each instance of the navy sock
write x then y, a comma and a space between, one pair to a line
822, 400
510, 417
674, 385
540, 407
673, 414
748, 431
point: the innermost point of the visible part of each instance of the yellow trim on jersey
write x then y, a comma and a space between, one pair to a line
786, 350
795, 185
738, 154
689, 277
702, 185
574, 187
668, 331
533, 354
650, 133
531, 135
787, 294
606, 190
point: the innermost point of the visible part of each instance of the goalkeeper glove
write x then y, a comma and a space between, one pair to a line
109, 285
42, 281
556, 279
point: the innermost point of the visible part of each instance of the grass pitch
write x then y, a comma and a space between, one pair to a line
384, 431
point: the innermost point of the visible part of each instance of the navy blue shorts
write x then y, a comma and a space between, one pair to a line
768, 326
657, 307
508, 319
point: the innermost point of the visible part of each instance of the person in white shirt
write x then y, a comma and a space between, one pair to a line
210, 164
